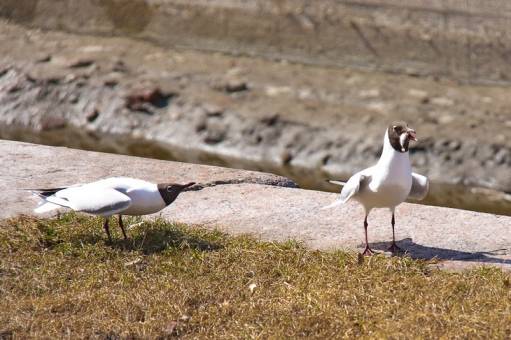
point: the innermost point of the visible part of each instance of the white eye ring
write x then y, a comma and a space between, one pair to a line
169, 189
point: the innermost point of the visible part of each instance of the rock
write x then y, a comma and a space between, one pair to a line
305, 94
420, 160
252, 287
93, 49
380, 107
111, 82
235, 85
372, 93
446, 119
119, 66
442, 101
286, 157
52, 122
15, 88
454, 145
92, 115
215, 132
81, 63
366, 119
212, 110
73, 98
502, 156
274, 91
153, 96
271, 120
70, 77
44, 59
201, 124
420, 94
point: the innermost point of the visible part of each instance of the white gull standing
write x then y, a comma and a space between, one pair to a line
388, 183
110, 196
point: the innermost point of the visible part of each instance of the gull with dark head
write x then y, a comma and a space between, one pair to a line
388, 183
111, 196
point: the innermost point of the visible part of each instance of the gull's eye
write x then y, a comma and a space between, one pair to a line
169, 188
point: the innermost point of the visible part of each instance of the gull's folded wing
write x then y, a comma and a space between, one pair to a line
92, 200
350, 188
420, 187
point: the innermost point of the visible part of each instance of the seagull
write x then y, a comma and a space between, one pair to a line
110, 196
388, 183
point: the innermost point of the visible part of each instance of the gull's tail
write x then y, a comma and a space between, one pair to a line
338, 183
333, 204
337, 202
45, 207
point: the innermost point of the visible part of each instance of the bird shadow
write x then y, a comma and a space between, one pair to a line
151, 241
417, 251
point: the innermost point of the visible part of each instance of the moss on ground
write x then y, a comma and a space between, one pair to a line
59, 278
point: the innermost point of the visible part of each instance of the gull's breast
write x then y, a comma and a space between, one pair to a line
387, 193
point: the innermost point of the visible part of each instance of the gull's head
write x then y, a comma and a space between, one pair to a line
170, 191
400, 135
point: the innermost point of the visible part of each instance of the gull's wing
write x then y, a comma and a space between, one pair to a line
92, 200
350, 188
420, 187
45, 192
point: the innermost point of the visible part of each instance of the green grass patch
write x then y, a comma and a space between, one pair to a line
59, 278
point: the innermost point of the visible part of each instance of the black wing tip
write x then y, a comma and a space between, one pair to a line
45, 192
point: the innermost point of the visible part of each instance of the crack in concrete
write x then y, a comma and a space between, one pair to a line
277, 182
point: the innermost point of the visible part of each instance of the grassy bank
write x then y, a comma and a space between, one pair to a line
58, 278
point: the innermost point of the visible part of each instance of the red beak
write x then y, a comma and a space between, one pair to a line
412, 134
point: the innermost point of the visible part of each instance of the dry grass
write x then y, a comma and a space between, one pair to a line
58, 278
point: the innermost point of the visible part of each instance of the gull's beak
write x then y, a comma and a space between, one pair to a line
412, 134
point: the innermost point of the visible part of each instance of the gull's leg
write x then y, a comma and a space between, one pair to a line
107, 229
122, 228
393, 247
368, 251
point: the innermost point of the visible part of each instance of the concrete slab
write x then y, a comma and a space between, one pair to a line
27, 165
264, 205
465, 237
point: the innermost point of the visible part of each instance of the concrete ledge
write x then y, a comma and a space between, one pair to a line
27, 165
264, 205
467, 40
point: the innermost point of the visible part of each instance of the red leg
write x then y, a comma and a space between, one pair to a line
107, 230
122, 228
368, 251
394, 247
